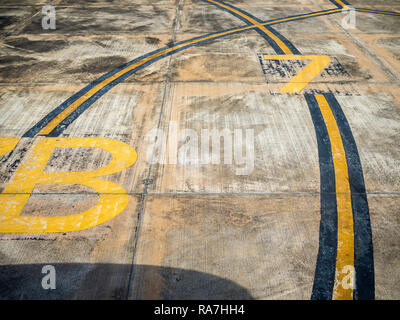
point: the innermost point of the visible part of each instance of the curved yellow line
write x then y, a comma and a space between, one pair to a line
345, 241
260, 26
73, 106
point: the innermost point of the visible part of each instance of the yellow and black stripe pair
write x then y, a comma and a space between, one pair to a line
345, 265
344, 268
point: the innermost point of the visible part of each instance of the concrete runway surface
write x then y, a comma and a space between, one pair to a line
200, 149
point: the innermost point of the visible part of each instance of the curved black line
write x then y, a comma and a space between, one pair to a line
390, 13
271, 42
326, 260
52, 114
363, 249
66, 122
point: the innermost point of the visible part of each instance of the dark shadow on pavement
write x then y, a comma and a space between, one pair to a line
110, 281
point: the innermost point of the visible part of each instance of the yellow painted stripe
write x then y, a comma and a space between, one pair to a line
308, 73
304, 16
378, 11
260, 26
7, 144
341, 3
345, 245
73, 106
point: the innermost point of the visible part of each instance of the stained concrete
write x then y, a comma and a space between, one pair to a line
231, 237
195, 231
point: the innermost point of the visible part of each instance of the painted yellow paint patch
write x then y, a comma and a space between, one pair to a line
308, 73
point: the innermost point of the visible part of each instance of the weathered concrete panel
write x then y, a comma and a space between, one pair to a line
266, 244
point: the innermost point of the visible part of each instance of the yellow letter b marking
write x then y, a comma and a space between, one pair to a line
113, 199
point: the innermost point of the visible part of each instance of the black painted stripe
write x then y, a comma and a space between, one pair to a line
270, 41
76, 113
235, 8
364, 10
50, 116
64, 124
326, 260
339, 5
363, 249
43, 122
284, 40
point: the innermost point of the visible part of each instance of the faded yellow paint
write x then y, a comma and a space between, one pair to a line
345, 245
7, 144
112, 197
308, 73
